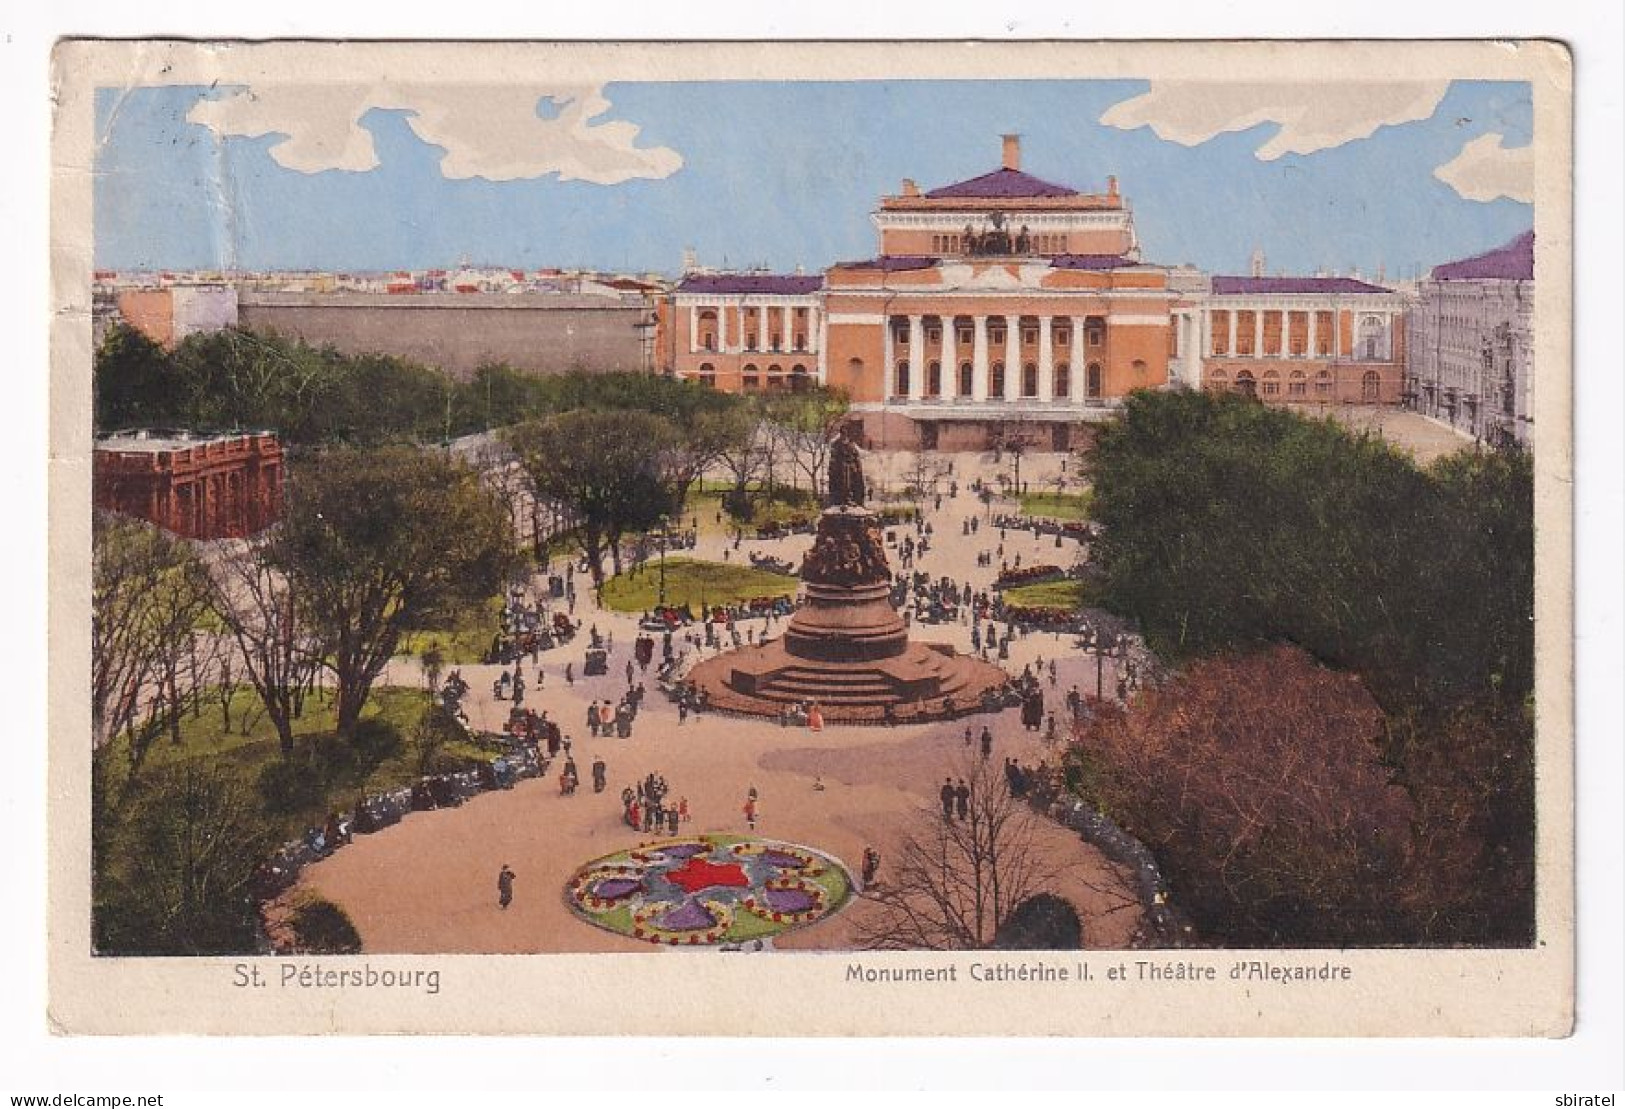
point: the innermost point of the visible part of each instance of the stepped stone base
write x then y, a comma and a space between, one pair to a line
925, 682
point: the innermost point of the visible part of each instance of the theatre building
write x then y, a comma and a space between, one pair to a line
747, 332
999, 309
1295, 340
198, 487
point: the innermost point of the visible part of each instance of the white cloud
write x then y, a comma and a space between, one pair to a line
1486, 170
489, 131
1313, 115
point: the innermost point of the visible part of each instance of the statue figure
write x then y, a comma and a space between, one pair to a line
845, 478
1024, 241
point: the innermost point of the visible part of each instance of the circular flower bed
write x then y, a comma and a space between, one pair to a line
708, 890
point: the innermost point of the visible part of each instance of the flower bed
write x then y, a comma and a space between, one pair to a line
1028, 575
708, 890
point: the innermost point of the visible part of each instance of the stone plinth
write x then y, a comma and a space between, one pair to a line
846, 647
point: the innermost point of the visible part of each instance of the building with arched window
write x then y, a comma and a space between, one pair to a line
745, 332
1469, 361
1344, 335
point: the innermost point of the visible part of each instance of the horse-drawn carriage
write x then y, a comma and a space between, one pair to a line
771, 564
596, 663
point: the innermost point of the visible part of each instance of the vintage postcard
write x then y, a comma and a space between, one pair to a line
871, 539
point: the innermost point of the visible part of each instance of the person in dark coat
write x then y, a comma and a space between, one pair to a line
962, 800
987, 741
505, 879
947, 798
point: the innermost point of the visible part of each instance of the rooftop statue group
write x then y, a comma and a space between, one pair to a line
997, 239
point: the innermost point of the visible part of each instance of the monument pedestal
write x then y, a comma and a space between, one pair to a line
846, 647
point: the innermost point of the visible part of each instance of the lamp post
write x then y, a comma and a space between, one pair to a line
664, 531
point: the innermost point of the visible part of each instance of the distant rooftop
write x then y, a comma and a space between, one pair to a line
892, 263
1233, 286
772, 283
1513, 262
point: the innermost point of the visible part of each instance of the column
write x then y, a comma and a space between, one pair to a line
979, 369
1080, 362
888, 378
1309, 347
1258, 333
761, 328
693, 328
916, 357
1286, 334
1012, 358
1230, 332
950, 357
1046, 360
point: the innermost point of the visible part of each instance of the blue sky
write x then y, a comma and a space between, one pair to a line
781, 174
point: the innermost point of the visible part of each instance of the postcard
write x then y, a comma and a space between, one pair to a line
822, 539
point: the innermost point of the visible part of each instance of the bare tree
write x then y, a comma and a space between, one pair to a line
277, 648
956, 880
804, 426
148, 592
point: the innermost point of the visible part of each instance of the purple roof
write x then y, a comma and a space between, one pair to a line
1513, 262
891, 263
1000, 183
1231, 286
778, 283
1090, 262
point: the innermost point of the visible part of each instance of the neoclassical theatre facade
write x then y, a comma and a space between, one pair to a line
1006, 308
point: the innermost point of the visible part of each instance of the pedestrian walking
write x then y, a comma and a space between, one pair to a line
505, 879
750, 813
962, 800
570, 673
947, 794
987, 741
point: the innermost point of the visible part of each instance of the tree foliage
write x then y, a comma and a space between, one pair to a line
1227, 523
1258, 782
183, 854
607, 468
376, 542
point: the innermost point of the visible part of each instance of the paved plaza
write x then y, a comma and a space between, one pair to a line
427, 884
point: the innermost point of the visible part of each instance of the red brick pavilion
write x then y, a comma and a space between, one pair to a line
196, 486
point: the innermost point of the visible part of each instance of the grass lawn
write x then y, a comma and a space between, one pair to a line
248, 752
1056, 506
693, 582
1047, 594
464, 642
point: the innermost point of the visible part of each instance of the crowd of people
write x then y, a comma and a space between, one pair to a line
644, 807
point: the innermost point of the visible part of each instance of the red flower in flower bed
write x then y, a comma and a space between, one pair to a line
698, 874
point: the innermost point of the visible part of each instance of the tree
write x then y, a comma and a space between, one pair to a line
274, 639
956, 882
605, 467
1258, 783
136, 383
181, 864
378, 541
806, 424
148, 591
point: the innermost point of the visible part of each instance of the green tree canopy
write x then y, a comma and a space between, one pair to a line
378, 541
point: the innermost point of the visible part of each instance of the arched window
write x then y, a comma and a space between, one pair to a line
1092, 383
1370, 387
775, 379
1373, 338
1323, 383
1218, 381
996, 380
967, 379
750, 380
1245, 385
1063, 380
1296, 385
1272, 383
798, 379
1029, 380
901, 381
708, 330
933, 380
1138, 366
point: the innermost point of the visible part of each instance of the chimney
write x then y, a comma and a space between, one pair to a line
1012, 151
910, 188
1111, 186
